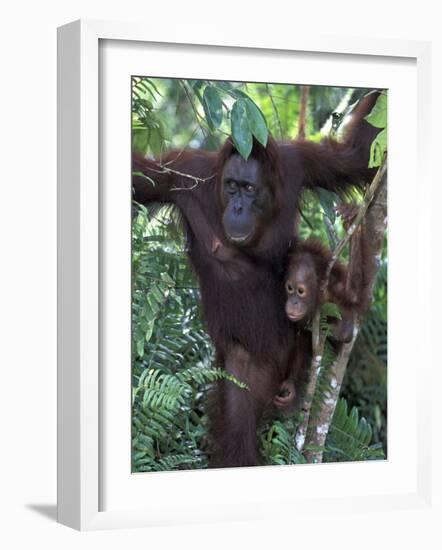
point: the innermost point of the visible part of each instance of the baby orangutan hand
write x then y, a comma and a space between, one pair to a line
285, 399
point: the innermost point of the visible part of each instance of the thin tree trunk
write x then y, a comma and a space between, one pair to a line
305, 91
318, 341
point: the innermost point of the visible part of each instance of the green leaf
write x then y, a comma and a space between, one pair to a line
349, 437
229, 89
196, 84
157, 143
378, 149
378, 115
151, 83
140, 348
167, 279
140, 140
329, 309
328, 201
257, 122
213, 107
241, 134
149, 331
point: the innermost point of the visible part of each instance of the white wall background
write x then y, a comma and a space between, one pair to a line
28, 266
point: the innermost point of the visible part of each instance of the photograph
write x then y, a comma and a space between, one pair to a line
259, 274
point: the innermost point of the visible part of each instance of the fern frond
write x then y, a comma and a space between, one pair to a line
349, 437
277, 443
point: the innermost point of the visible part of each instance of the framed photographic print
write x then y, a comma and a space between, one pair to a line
224, 282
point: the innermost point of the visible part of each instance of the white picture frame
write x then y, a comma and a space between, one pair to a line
84, 465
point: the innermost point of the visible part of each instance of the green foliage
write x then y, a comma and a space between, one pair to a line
173, 363
247, 122
349, 437
378, 116
365, 382
257, 122
328, 312
172, 354
147, 126
277, 447
211, 110
213, 107
378, 149
378, 119
241, 134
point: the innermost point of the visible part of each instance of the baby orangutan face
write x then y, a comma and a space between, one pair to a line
301, 288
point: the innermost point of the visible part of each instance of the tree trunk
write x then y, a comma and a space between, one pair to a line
305, 90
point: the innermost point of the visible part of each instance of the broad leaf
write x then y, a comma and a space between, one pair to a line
257, 122
241, 134
229, 89
378, 115
378, 149
213, 107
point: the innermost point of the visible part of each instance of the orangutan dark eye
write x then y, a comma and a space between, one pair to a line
231, 186
290, 289
249, 188
300, 291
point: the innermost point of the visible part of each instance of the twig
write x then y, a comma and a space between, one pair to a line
180, 153
275, 111
195, 110
167, 170
199, 119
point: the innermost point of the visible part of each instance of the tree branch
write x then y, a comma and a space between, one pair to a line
166, 170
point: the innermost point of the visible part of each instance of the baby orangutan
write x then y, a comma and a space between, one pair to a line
307, 268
